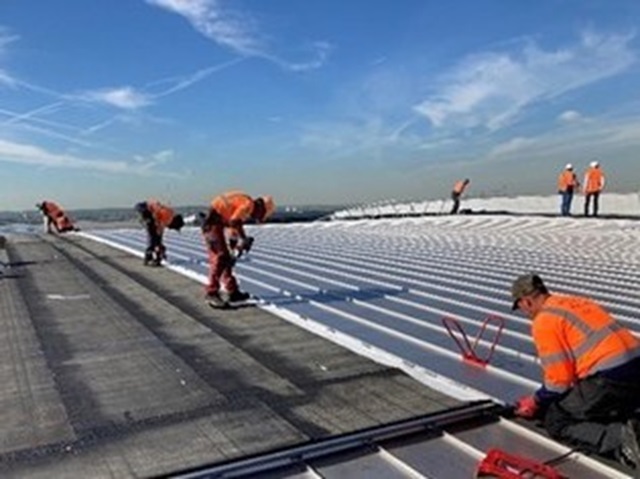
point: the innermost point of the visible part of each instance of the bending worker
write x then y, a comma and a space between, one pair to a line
156, 217
55, 216
567, 183
456, 193
591, 368
593, 186
230, 211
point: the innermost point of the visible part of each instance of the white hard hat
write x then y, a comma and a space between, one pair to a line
569, 166
593, 164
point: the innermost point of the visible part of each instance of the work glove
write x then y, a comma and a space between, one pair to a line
247, 243
526, 407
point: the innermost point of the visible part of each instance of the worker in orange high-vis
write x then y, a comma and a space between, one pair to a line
456, 193
155, 217
567, 184
229, 212
591, 367
593, 186
54, 216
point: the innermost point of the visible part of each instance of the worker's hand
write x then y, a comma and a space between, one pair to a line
526, 407
247, 243
229, 260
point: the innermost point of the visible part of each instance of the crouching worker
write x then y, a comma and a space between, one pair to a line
54, 216
228, 213
591, 368
156, 217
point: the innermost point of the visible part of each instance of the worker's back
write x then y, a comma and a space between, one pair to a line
576, 338
233, 206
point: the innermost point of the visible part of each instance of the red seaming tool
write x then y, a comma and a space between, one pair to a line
468, 348
501, 465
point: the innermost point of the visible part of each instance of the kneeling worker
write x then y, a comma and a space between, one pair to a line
55, 216
591, 368
230, 211
156, 217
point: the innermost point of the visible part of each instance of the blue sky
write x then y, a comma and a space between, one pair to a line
106, 102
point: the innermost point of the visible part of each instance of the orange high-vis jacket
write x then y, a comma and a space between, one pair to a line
566, 180
234, 207
162, 214
57, 215
593, 180
459, 187
576, 338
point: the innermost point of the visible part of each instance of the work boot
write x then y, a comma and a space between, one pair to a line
629, 453
238, 296
215, 301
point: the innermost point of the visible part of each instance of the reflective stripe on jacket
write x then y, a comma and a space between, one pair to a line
593, 180
576, 338
567, 180
233, 207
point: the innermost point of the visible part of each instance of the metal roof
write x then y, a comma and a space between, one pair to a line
382, 287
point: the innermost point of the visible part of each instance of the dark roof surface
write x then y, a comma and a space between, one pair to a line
113, 369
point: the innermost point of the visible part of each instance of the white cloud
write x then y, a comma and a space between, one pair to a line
126, 98
237, 31
223, 27
583, 140
6, 38
163, 156
490, 90
34, 155
514, 146
6, 79
569, 116
26, 154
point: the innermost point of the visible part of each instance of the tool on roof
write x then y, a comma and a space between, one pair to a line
469, 349
502, 465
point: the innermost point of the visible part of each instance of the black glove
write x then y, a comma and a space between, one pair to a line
229, 260
247, 244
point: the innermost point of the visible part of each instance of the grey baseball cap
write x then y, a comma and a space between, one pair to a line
525, 285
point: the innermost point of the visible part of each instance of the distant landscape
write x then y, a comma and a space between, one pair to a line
110, 215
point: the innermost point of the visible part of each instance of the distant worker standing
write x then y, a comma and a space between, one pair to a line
456, 193
567, 184
229, 212
55, 216
156, 217
591, 369
593, 186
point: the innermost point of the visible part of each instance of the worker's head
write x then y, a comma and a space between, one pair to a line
528, 292
594, 164
467, 181
263, 208
568, 166
176, 223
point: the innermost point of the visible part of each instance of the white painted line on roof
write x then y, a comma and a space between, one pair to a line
427, 377
430, 378
463, 446
399, 464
